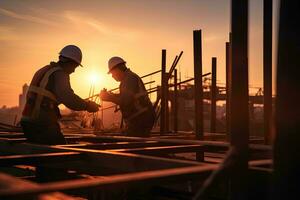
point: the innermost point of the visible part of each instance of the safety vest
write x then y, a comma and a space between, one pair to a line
141, 102
38, 94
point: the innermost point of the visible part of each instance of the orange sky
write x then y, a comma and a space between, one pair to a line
32, 33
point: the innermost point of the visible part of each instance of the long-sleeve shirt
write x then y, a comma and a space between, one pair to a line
130, 86
59, 85
64, 93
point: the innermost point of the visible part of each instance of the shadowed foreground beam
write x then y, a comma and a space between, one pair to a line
239, 97
110, 182
287, 142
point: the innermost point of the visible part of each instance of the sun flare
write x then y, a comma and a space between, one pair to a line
94, 78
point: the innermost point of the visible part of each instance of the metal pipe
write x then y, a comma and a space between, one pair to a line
174, 64
111, 90
152, 73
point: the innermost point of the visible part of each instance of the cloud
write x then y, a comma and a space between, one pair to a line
7, 34
29, 18
86, 23
82, 22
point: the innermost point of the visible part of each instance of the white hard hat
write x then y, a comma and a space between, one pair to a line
72, 52
113, 62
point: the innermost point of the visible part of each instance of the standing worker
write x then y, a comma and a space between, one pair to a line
50, 87
136, 107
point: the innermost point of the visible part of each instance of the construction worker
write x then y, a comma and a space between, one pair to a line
136, 107
50, 87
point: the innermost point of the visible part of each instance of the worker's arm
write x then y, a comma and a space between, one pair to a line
127, 91
109, 96
65, 94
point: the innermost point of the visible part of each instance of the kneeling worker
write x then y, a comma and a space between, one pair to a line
136, 107
50, 87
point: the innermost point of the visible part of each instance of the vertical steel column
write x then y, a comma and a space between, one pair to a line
175, 102
198, 84
239, 108
102, 114
287, 142
227, 90
213, 90
167, 120
198, 90
267, 59
163, 93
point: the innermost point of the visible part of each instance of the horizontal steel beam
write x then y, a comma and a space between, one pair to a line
11, 183
117, 145
34, 159
128, 162
138, 178
163, 149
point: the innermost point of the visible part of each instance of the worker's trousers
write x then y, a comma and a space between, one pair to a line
49, 134
140, 126
43, 133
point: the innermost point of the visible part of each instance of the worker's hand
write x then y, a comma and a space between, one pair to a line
92, 106
104, 95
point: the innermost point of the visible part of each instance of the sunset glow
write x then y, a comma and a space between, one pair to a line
137, 34
95, 78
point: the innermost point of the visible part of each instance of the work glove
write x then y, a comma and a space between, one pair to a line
92, 106
105, 95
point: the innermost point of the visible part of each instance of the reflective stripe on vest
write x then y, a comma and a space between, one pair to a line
40, 91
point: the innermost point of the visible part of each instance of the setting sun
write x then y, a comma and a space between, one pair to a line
94, 78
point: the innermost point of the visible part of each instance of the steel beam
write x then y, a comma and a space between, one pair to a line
127, 162
267, 61
167, 112
117, 145
198, 84
239, 117
175, 122
198, 93
286, 147
163, 150
213, 89
34, 159
111, 182
163, 93
228, 89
